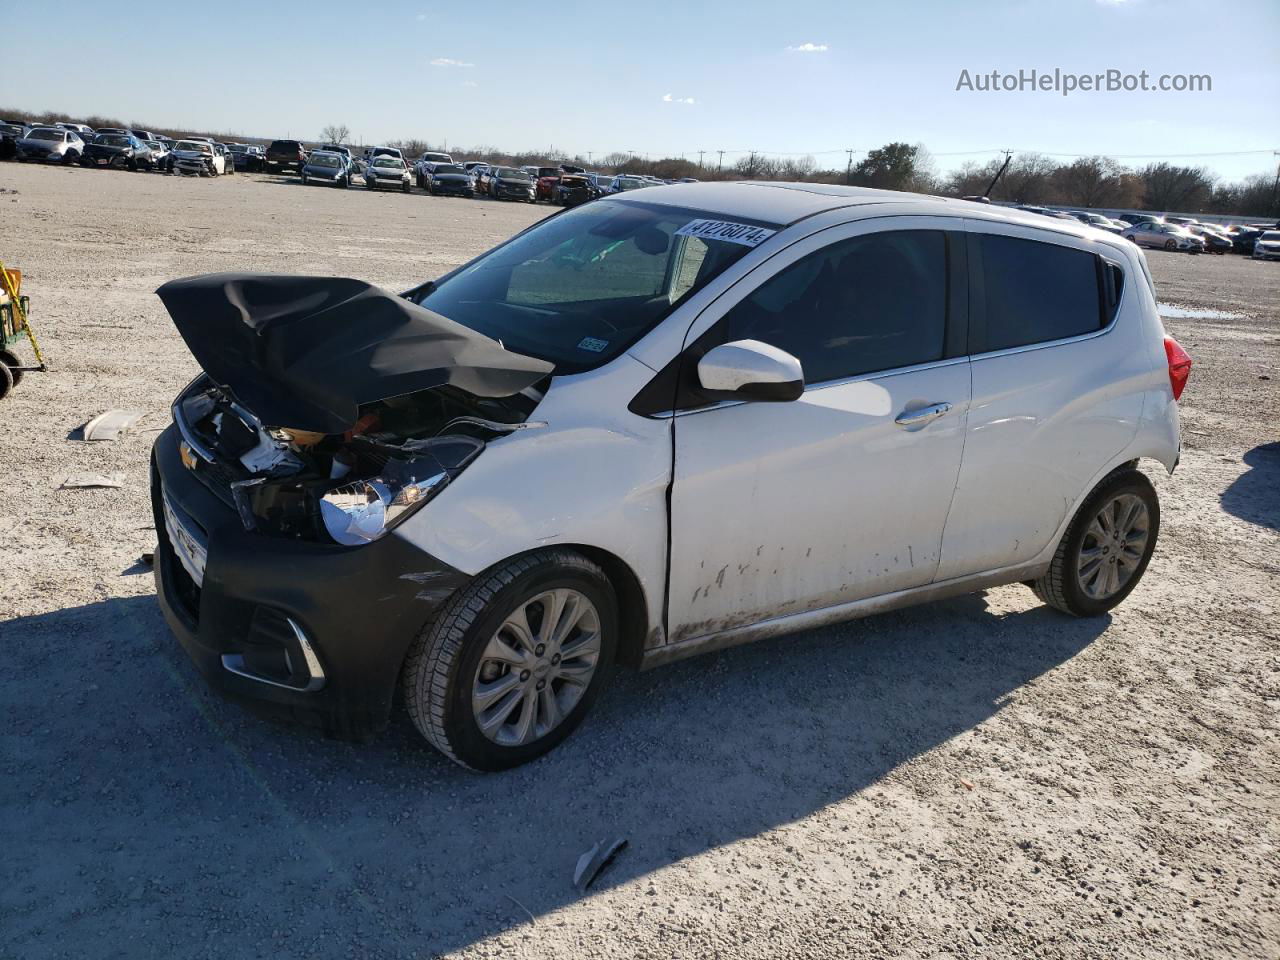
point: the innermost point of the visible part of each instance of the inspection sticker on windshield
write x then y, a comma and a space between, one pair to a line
743, 233
594, 344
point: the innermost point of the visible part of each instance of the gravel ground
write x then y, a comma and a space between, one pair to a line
981, 777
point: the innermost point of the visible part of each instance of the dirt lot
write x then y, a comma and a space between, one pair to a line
981, 777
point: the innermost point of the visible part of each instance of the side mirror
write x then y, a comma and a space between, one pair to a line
750, 370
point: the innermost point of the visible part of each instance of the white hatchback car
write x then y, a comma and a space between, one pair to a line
662, 423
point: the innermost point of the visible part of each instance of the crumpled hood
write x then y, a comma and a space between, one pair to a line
306, 352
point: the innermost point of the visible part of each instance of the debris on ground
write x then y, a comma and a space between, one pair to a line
147, 559
86, 481
594, 860
110, 425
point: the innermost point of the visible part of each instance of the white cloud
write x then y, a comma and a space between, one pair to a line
470, 83
668, 98
421, 17
447, 62
808, 48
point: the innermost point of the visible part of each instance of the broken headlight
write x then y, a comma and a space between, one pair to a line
362, 511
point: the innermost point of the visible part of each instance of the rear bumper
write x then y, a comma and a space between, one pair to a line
273, 616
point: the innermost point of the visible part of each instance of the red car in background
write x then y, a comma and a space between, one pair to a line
547, 179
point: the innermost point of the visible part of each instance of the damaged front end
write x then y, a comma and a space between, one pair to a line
331, 410
348, 488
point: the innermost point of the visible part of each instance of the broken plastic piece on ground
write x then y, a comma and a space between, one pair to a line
110, 425
594, 860
147, 559
84, 481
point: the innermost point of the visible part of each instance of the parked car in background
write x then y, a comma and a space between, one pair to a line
50, 145
450, 180
1165, 236
387, 170
510, 183
228, 158
545, 183
143, 135
385, 152
127, 133
423, 166
707, 368
328, 168
621, 184
1180, 221
120, 150
82, 130
10, 134
283, 155
1267, 246
599, 182
248, 157
1097, 220
197, 157
1132, 218
1244, 238
1215, 241
159, 154
575, 189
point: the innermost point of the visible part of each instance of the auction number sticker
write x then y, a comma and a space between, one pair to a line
743, 233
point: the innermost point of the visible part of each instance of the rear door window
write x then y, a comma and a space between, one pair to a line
1036, 292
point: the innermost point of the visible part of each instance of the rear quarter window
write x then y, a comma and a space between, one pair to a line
1036, 292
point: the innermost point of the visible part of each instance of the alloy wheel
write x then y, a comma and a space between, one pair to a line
536, 667
1113, 547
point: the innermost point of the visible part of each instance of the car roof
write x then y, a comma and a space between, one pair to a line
787, 203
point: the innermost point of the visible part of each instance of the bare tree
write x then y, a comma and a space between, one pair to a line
1029, 179
1169, 187
338, 133
1093, 182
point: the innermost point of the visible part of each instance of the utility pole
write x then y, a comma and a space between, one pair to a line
720, 160
700, 153
1275, 188
1008, 155
589, 155
848, 167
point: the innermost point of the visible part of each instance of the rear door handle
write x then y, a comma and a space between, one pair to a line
922, 415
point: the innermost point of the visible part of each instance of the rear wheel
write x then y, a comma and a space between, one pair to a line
1106, 549
511, 664
7, 380
11, 361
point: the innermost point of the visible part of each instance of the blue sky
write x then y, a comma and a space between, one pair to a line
667, 77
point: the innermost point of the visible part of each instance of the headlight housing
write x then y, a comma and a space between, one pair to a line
361, 512
357, 512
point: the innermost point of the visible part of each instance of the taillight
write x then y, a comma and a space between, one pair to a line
1179, 365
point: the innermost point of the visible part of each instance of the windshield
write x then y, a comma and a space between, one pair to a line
9, 128
1270, 236
437, 158
238, 148
198, 147
113, 140
46, 135
449, 168
512, 175
324, 161
385, 161
581, 287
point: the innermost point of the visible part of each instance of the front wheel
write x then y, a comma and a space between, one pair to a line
1106, 549
512, 663
1171, 244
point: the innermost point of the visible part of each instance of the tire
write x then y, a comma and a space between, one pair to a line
11, 361
346, 182
448, 661
7, 381
70, 157
1062, 587
1171, 244
407, 188
304, 179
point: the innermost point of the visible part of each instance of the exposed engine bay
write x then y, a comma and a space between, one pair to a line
347, 488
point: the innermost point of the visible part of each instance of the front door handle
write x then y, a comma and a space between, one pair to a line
922, 415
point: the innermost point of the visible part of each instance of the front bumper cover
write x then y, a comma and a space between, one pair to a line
357, 608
